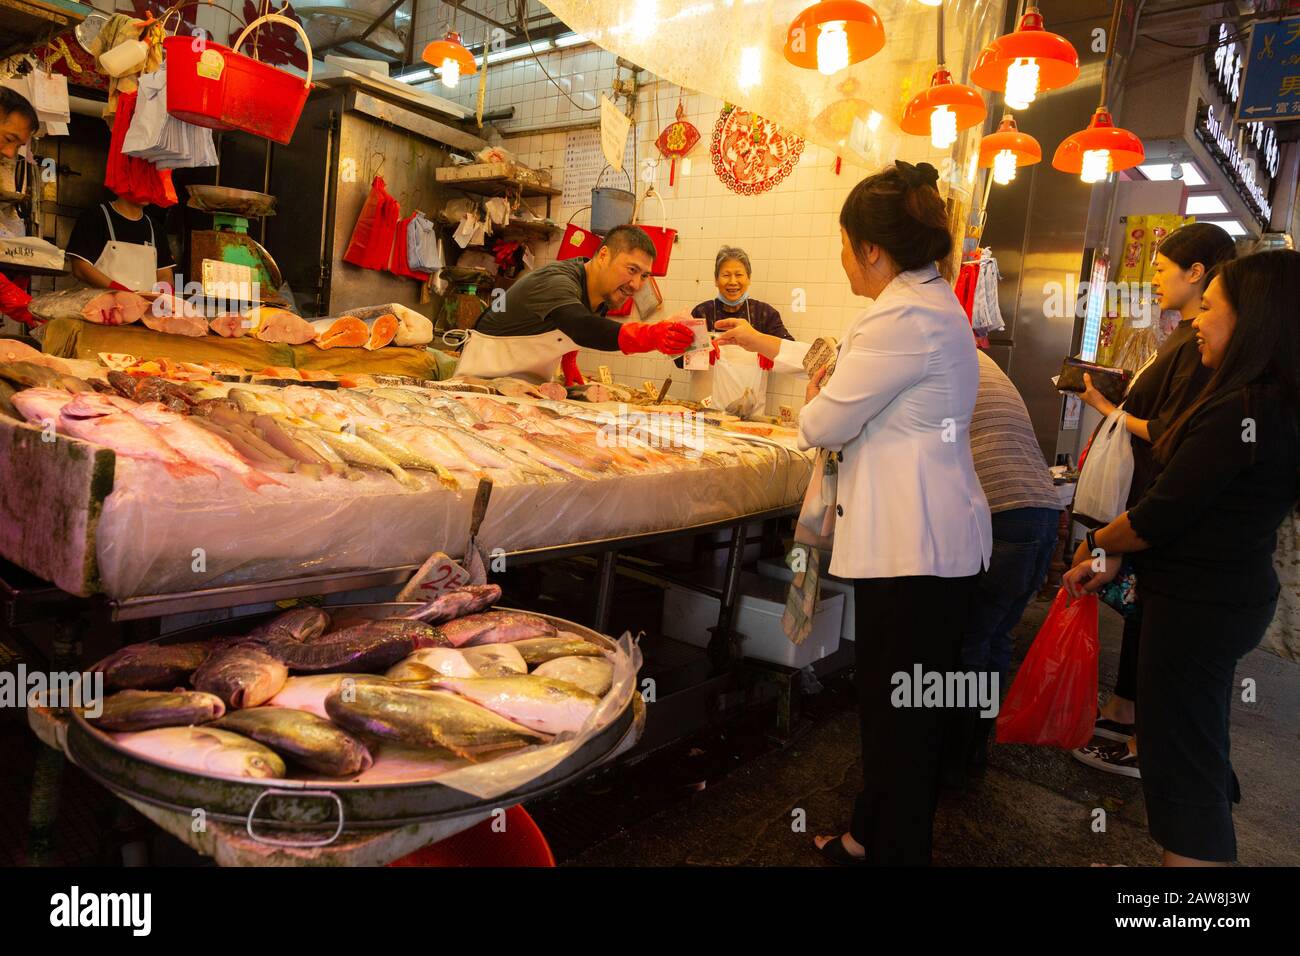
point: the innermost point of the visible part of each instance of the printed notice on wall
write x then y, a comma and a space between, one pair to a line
583, 162
614, 126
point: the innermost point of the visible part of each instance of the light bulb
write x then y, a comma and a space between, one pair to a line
1096, 165
1004, 167
943, 127
931, 3
751, 70
450, 73
1022, 83
832, 48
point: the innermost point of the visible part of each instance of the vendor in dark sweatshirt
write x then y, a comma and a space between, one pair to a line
560, 307
732, 274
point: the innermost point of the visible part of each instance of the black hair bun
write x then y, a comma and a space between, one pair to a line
922, 174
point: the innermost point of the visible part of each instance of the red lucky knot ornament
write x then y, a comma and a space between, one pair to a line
677, 139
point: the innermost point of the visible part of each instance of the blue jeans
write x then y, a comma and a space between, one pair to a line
1023, 541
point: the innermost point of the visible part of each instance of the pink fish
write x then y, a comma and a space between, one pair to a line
125, 435
198, 444
40, 405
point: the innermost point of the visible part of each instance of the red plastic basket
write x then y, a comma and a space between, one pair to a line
661, 236
519, 844
577, 243
218, 87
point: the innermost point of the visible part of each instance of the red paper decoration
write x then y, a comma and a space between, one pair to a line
752, 154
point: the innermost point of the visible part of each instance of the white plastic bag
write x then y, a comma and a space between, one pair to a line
1102, 492
739, 386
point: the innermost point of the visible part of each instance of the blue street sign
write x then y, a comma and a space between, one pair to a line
1270, 90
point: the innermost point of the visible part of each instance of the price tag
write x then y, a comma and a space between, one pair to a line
787, 416
604, 375
651, 389
436, 576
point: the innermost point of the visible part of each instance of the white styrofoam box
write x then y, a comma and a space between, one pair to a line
688, 615
776, 569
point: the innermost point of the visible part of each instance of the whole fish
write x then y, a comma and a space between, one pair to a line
125, 435
130, 710
490, 410
41, 405
495, 627
285, 441
250, 446
198, 444
360, 452
373, 645
457, 602
590, 458
297, 624
308, 692
395, 763
539, 703
301, 738
148, 665
519, 442
433, 445
242, 675
403, 396
258, 402
454, 411
403, 453
491, 660
423, 718
205, 749
595, 675
542, 649
483, 452
30, 375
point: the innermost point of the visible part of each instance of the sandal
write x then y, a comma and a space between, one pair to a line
835, 852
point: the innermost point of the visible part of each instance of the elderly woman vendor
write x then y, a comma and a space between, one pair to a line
731, 274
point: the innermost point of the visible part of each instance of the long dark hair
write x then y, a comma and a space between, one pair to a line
900, 210
1265, 346
1202, 242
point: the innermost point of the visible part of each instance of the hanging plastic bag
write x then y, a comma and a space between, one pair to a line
134, 179
372, 237
150, 116
1053, 700
739, 384
400, 262
1102, 492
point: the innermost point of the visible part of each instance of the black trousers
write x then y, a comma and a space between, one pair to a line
1126, 680
902, 623
1188, 656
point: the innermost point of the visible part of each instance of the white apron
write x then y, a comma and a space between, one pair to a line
130, 263
533, 358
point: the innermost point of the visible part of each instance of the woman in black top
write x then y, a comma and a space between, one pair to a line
732, 274
1202, 539
1162, 390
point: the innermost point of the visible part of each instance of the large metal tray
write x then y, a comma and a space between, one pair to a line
321, 804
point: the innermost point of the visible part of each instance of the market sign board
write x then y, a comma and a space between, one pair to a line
1244, 145
1270, 87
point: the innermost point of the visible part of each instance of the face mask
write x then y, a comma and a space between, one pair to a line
733, 302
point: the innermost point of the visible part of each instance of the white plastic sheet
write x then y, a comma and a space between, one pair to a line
160, 535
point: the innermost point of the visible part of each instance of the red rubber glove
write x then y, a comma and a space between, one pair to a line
23, 317
765, 363
671, 338
569, 366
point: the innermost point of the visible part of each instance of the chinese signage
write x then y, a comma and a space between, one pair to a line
1270, 87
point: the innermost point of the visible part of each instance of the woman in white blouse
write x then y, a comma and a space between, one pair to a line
913, 527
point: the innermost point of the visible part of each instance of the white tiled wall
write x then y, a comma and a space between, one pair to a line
791, 232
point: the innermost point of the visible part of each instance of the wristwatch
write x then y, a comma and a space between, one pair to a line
1090, 541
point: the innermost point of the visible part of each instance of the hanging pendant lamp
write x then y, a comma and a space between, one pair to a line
451, 58
945, 107
1026, 62
833, 35
1103, 148
1007, 150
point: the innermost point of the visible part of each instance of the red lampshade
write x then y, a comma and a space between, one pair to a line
862, 26
1009, 137
1058, 63
450, 47
963, 100
1124, 147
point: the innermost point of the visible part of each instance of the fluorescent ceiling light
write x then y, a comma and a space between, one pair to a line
514, 53
1206, 204
1192, 175
414, 77
1232, 227
570, 39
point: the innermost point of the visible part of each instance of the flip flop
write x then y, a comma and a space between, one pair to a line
835, 852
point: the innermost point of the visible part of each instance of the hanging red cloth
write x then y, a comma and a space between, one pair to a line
968, 278
134, 179
400, 263
371, 246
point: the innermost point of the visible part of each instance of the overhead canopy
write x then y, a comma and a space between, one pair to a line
733, 49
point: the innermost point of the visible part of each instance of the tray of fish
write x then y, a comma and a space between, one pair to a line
351, 717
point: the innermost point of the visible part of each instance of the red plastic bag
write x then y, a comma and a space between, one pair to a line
372, 238
134, 179
1053, 700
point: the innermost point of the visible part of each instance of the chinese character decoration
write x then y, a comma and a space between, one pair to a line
752, 154
274, 43
677, 139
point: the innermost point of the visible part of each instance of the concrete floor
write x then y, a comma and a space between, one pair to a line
1034, 807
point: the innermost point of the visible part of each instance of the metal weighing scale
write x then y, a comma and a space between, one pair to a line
230, 263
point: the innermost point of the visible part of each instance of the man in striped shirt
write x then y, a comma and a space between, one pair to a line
1026, 515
